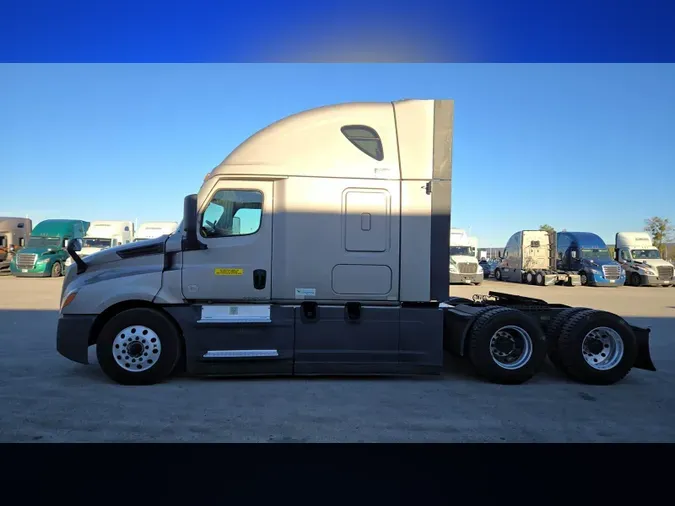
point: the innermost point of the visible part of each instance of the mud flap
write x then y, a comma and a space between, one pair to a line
644, 357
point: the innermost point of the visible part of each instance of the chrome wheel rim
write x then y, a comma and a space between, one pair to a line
136, 348
602, 348
511, 347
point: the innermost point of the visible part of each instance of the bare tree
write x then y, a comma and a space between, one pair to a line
661, 231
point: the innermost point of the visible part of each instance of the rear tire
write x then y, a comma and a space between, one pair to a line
506, 346
156, 347
56, 270
529, 278
597, 348
553, 334
539, 279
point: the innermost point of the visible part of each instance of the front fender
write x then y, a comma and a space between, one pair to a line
108, 287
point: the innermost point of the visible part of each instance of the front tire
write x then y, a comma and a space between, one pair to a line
506, 346
498, 275
138, 347
635, 279
597, 347
584, 278
56, 270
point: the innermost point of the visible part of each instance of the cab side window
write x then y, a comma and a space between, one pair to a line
232, 213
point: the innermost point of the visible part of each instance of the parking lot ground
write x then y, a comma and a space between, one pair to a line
46, 398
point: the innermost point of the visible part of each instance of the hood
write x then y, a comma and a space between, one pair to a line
104, 256
605, 261
37, 250
652, 262
464, 259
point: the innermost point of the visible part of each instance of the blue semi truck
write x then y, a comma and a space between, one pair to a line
588, 254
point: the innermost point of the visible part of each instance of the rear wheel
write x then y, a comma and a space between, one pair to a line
539, 279
138, 347
529, 278
56, 270
506, 346
553, 333
597, 347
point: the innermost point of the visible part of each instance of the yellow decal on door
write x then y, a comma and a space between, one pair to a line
228, 272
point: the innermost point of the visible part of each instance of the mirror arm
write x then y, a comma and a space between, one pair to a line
81, 265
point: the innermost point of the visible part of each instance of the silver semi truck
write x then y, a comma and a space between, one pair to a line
320, 246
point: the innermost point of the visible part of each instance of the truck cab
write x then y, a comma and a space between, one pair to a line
105, 234
14, 232
587, 254
642, 260
44, 254
464, 266
154, 229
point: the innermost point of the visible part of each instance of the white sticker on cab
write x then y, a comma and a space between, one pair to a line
301, 293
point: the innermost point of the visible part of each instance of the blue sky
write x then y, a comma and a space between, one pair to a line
585, 147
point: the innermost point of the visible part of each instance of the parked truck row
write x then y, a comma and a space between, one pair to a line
320, 246
541, 257
41, 251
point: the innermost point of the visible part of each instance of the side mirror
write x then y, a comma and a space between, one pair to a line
74, 245
190, 241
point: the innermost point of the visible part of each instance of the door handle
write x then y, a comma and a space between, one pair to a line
259, 279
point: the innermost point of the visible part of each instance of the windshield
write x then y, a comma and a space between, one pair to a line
44, 242
645, 254
596, 254
95, 242
461, 250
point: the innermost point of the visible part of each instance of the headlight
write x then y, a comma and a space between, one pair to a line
646, 271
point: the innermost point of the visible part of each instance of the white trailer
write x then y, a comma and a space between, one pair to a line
464, 267
154, 229
530, 256
642, 260
105, 234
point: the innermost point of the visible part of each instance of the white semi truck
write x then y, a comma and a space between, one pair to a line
464, 266
642, 260
530, 256
104, 234
338, 266
155, 229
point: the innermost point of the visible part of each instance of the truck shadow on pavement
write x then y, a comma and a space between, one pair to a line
29, 350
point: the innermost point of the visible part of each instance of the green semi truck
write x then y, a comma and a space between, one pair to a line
45, 254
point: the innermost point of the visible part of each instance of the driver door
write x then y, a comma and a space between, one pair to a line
236, 226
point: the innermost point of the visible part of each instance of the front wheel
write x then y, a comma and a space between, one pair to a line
56, 270
498, 275
584, 278
138, 347
635, 279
